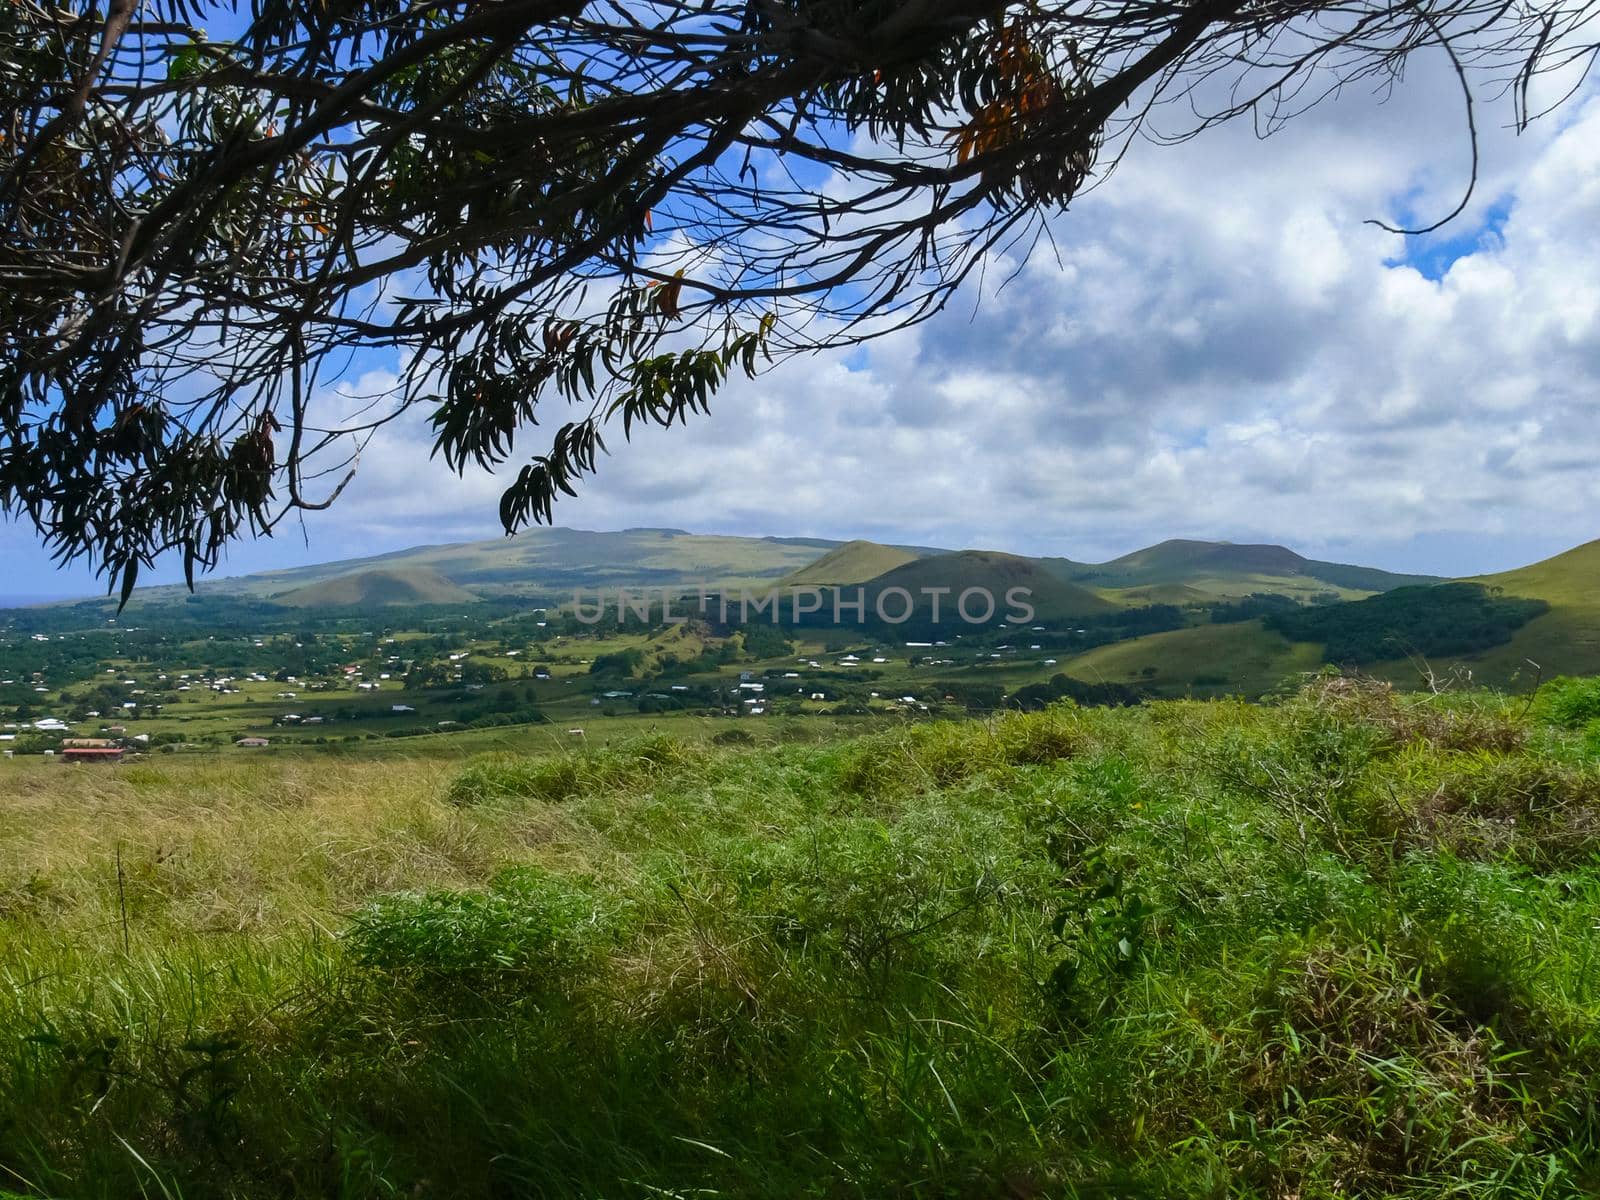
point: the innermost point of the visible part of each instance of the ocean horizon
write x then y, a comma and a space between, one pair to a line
26, 599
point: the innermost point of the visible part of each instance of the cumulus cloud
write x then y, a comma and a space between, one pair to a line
1217, 344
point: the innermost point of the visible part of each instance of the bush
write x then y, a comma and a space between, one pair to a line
1569, 702
946, 753
537, 927
893, 902
563, 776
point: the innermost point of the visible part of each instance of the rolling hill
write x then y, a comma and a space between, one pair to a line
1565, 640
1230, 569
1160, 593
379, 589
1243, 658
1052, 598
854, 562
550, 565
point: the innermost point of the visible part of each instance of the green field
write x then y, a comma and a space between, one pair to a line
1339, 946
854, 562
378, 589
1241, 659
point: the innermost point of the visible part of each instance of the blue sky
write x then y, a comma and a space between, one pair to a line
1220, 346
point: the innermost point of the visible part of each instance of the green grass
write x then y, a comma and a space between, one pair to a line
1235, 659
853, 562
553, 561
378, 589
1343, 945
1225, 568
996, 573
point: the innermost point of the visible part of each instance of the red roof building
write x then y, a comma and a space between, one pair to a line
91, 754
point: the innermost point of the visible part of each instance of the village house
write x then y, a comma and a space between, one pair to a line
105, 754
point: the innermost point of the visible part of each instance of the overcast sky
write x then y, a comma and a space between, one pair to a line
1217, 346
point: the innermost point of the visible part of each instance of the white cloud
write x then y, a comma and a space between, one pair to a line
1222, 349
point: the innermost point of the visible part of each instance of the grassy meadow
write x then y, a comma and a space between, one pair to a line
1343, 944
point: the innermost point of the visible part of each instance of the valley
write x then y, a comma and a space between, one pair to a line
458, 648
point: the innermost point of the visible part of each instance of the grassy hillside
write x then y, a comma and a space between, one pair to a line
551, 563
1242, 658
853, 562
1160, 593
1566, 640
379, 589
1340, 947
1228, 569
1050, 597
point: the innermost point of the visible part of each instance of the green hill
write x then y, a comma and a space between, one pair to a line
1052, 598
379, 589
1160, 593
1242, 658
1571, 579
853, 562
1229, 569
1565, 640
553, 563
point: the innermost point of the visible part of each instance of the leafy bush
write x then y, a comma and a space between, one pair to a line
1570, 702
558, 777
884, 899
539, 927
945, 753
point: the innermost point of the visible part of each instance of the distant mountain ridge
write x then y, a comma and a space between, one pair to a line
551, 564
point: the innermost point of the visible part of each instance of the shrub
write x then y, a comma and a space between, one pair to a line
562, 776
1489, 806
945, 753
889, 900
1570, 702
537, 927
1466, 722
